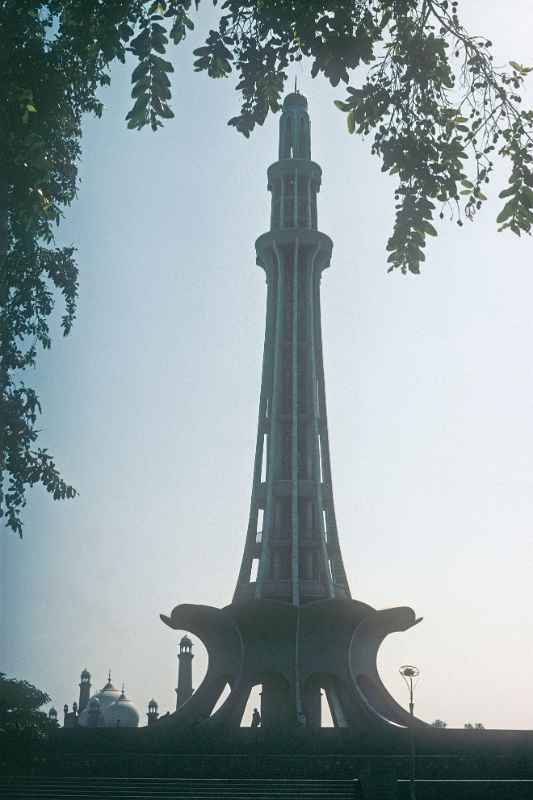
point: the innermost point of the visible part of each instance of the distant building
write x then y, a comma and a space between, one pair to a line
108, 708
111, 708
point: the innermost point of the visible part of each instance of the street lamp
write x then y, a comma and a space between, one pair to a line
410, 675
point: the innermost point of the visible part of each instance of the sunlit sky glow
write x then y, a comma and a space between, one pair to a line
150, 408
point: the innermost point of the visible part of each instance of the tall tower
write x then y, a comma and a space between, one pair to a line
85, 689
184, 689
292, 627
153, 712
52, 716
292, 549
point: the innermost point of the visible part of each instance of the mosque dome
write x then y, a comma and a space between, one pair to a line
108, 697
105, 697
185, 641
121, 714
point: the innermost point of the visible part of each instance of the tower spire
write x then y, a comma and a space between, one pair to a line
292, 533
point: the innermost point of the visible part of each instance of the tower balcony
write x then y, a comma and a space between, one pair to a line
292, 166
270, 246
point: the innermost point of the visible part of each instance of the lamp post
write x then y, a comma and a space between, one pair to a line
410, 675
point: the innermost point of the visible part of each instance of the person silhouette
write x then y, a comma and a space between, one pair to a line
256, 719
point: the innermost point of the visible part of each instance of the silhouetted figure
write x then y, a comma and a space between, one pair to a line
256, 719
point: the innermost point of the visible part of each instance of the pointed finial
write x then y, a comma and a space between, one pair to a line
109, 675
296, 84
123, 687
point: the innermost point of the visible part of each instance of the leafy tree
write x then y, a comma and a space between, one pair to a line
477, 726
24, 729
49, 80
439, 723
426, 91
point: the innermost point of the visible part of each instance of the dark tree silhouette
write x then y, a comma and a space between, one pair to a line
24, 729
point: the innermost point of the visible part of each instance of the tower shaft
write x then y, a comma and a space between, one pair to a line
292, 550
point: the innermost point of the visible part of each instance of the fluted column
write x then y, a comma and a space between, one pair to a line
292, 551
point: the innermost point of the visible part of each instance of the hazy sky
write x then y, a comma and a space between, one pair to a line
150, 408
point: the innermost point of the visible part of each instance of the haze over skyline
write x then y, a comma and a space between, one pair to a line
150, 407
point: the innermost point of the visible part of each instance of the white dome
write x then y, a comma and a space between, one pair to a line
105, 698
121, 714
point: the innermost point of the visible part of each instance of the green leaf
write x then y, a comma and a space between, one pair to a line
427, 227
161, 63
343, 106
509, 191
140, 71
527, 196
508, 210
165, 111
141, 87
350, 120
141, 43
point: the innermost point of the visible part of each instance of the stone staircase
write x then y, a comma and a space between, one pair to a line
468, 790
41, 788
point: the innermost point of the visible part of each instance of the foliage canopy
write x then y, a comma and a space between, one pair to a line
24, 729
427, 93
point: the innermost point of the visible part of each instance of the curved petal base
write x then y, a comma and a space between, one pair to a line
295, 653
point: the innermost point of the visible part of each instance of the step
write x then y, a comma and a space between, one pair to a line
45, 788
81, 790
468, 790
197, 795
